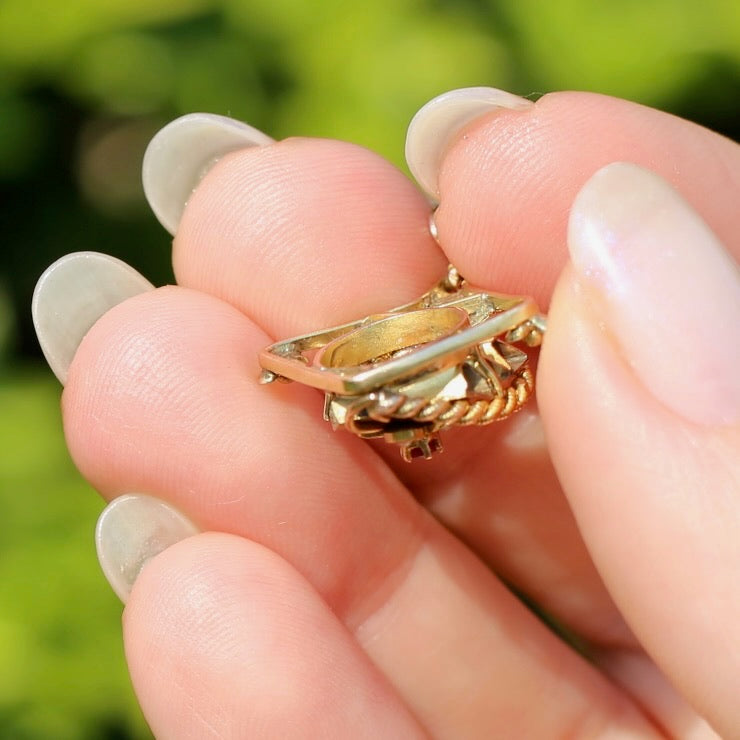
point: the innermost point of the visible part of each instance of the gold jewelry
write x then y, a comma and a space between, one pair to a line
447, 359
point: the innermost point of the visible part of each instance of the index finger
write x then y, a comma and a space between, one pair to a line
508, 178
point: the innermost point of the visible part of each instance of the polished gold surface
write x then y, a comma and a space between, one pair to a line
447, 359
389, 335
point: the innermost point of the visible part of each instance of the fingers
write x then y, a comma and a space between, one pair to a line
640, 399
162, 398
225, 639
496, 489
508, 180
307, 234
506, 183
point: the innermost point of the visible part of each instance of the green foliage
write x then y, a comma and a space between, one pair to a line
39, 34
62, 673
644, 51
126, 73
6, 324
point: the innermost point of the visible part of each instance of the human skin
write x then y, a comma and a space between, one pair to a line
339, 592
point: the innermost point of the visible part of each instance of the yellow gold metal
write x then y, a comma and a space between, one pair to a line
447, 359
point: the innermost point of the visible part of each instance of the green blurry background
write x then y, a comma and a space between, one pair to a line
83, 86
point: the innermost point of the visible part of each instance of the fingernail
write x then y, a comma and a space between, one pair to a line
437, 123
179, 156
72, 295
667, 290
133, 529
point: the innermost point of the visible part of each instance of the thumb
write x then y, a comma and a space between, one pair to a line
640, 397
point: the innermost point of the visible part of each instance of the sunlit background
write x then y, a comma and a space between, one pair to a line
83, 86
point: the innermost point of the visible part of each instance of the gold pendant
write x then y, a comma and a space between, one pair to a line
447, 359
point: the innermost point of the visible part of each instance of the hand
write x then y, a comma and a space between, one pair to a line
324, 600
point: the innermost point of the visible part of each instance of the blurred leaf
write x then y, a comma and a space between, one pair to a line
61, 663
125, 73
39, 33
364, 73
218, 75
639, 50
7, 325
293, 19
22, 134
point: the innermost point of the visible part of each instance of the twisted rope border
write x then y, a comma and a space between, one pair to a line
386, 406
